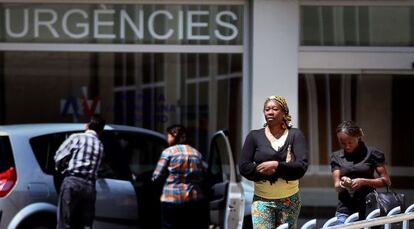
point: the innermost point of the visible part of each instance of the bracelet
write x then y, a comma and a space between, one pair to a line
341, 184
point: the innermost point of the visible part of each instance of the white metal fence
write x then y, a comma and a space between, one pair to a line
373, 219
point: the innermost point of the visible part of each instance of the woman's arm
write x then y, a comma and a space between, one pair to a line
267, 168
161, 171
336, 176
381, 181
247, 166
295, 169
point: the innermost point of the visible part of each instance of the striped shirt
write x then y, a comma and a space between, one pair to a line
182, 169
85, 151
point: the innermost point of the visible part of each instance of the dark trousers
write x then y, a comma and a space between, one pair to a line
194, 215
76, 204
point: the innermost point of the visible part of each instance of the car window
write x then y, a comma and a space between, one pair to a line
45, 147
219, 165
6, 155
130, 155
127, 155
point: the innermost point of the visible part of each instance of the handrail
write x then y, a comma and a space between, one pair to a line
373, 214
405, 222
330, 222
410, 208
393, 211
310, 224
394, 216
283, 226
377, 221
352, 218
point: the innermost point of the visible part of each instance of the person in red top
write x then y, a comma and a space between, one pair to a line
180, 167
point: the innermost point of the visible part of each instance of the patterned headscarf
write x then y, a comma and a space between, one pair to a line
283, 103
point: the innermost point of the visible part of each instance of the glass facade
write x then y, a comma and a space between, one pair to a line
376, 97
357, 26
149, 89
380, 103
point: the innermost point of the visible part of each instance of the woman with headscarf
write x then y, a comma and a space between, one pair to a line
180, 167
275, 158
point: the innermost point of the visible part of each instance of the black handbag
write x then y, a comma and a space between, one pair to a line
384, 201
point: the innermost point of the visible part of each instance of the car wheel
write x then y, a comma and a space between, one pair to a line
39, 221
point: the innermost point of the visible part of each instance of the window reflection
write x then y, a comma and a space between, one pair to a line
357, 26
150, 90
380, 103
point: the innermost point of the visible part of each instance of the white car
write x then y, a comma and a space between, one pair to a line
126, 197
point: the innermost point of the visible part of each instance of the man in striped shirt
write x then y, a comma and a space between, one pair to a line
78, 159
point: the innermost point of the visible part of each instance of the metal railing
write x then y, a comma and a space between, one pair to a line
378, 221
373, 219
352, 218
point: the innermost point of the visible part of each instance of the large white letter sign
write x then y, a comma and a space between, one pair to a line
139, 32
191, 24
151, 25
25, 24
98, 24
48, 24
232, 27
84, 26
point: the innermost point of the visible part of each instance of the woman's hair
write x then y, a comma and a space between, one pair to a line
350, 128
179, 133
287, 119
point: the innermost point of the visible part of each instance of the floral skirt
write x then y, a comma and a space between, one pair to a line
271, 213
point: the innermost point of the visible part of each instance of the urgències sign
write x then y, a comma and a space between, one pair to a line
126, 23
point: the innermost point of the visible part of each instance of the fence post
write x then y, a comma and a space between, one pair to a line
330, 222
372, 215
352, 218
283, 226
310, 224
393, 211
406, 223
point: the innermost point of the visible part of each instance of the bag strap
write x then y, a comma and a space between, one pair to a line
387, 184
389, 189
376, 194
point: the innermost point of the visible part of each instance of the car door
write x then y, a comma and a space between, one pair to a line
226, 197
130, 159
145, 153
116, 203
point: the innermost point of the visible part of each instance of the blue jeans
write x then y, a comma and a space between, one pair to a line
341, 217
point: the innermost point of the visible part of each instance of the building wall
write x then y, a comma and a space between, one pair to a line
273, 59
275, 49
353, 65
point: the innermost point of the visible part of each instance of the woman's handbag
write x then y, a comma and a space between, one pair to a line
384, 201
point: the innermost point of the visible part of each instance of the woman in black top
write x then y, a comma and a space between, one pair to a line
275, 157
353, 171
